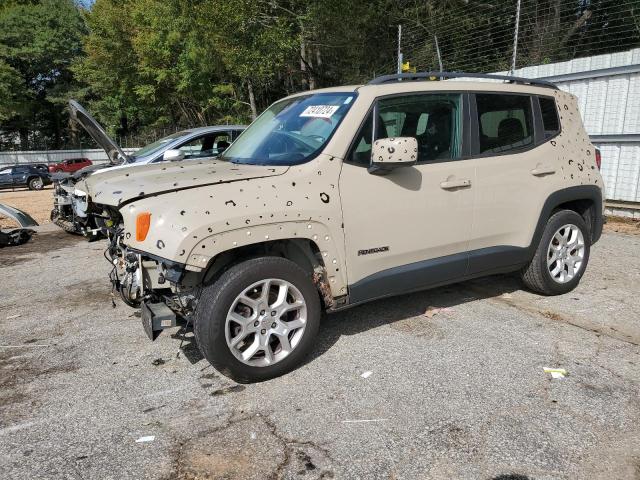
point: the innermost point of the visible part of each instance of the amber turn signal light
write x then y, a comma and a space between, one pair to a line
143, 222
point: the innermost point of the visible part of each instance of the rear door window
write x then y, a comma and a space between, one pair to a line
505, 122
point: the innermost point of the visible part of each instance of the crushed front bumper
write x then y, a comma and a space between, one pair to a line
165, 291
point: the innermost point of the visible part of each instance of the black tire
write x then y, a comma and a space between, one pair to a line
35, 183
536, 275
216, 300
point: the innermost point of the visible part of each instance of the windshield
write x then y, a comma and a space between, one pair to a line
291, 131
157, 145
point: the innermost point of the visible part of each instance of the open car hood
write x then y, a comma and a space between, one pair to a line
93, 128
117, 186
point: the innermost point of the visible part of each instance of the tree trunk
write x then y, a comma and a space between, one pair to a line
57, 130
252, 100
312, 76
303, 61
24, 138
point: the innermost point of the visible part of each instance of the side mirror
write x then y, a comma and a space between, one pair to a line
390, 153
173, 155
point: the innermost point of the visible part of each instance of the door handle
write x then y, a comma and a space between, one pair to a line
541, 170
451, 184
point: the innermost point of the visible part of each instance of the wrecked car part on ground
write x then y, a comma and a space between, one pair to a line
16, 236
340, 196
73, 210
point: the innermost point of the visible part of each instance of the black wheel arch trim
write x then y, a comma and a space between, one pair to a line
566, 195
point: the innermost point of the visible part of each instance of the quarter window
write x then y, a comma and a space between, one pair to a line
504, 122
361, 150
550, 120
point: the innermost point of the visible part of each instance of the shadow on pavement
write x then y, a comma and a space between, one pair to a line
397, 309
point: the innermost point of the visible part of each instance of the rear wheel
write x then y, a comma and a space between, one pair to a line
35, 183
258, 320
561, 257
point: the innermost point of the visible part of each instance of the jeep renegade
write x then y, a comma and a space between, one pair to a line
339, 196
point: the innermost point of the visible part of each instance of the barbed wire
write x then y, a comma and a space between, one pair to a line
468, 36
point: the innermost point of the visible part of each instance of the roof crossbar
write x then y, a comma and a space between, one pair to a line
444, 75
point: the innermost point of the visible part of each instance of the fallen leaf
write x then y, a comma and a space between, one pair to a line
431, 311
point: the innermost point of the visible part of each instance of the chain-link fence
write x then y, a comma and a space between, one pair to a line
480, 36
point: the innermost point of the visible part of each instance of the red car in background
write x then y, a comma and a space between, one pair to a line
70, 165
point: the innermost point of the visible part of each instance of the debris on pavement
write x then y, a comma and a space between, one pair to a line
17, 236
11, 317
366, 374
430, 312
556, 372
148, 438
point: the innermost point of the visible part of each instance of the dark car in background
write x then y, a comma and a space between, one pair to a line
70, 165
30, 176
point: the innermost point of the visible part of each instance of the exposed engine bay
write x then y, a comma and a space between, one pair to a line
166, 293
71, 210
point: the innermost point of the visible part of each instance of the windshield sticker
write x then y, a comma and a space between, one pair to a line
320, 111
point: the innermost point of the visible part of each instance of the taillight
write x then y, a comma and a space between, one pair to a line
143, 222
598, 158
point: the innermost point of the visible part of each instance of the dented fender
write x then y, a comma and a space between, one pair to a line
332, 255
194, 225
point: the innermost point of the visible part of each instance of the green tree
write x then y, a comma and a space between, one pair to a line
255, 40
38, 43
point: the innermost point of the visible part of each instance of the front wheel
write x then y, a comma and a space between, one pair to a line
258, 320
561, 257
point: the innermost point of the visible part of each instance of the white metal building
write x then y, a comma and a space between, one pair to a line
608, 89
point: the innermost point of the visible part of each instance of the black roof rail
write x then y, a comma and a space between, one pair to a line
444, 75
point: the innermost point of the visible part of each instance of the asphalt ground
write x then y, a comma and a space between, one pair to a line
459, 392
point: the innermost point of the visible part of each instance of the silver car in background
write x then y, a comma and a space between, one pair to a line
71, 205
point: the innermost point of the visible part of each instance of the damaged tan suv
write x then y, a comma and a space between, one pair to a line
339, 196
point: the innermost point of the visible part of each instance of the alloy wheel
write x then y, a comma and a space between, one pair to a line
266, 322
565, 254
